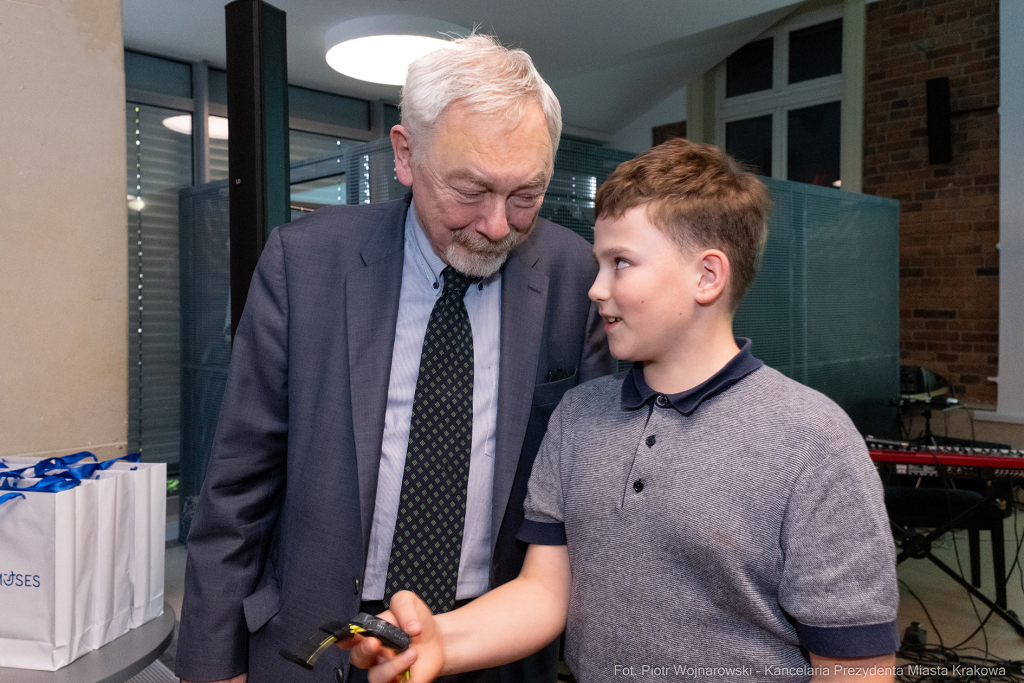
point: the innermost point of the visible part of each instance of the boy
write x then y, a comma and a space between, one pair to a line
701, 516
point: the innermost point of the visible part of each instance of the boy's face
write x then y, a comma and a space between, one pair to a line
645, 288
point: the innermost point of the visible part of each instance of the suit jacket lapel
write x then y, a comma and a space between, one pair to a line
523, 302
371, 301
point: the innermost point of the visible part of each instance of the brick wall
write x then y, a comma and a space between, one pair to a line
949, 225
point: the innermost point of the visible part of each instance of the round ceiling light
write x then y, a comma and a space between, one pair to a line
183, 124
380, 49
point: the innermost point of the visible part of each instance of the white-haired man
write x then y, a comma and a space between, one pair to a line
391, 380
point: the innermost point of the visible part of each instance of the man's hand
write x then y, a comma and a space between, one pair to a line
236, 679
425, 656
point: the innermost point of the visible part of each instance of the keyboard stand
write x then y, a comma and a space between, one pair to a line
919, 546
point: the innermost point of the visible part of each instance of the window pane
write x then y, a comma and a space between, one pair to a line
167, 76
159, 167
315, 105
750, 141
218, 159
749, 69
303, 145
816, 51
813, 146
313, 194
392, 117
218, 86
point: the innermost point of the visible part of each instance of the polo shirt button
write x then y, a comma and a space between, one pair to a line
436, 285
638, 486
661, 400
650, 440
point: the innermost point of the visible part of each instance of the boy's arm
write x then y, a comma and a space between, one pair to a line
879, 669
506, 624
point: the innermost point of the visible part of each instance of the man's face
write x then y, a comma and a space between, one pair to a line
478, 185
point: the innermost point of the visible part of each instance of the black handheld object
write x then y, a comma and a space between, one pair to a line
327, 635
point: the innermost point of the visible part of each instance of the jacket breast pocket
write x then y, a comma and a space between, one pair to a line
551, 393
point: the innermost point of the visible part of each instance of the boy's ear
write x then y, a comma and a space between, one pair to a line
714, 280
403, 155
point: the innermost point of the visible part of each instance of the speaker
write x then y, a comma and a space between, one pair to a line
917, 380
258, 167
940, 139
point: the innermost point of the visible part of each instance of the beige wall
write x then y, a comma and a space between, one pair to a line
63, 270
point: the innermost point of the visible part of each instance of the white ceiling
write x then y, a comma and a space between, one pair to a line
609, 61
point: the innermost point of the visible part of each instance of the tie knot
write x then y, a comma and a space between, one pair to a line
455, 283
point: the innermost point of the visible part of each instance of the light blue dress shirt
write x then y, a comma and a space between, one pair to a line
422, 284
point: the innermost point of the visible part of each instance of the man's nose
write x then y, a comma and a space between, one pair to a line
494, 223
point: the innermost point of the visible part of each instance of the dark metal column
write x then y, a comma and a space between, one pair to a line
258, 136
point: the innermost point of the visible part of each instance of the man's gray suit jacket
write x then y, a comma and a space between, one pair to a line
278, 542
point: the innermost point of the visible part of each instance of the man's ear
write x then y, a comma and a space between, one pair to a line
714, 279
403, 155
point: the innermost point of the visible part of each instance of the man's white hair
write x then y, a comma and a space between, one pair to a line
480, 72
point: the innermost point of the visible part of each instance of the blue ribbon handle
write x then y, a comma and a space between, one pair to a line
87, 470
10, 496
44, 466
83, 471
45, 485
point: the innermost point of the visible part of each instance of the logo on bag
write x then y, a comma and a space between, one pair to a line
20, 580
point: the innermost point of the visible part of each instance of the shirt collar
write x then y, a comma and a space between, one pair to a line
428, 264
636, 393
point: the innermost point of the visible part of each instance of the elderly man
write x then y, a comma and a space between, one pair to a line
391, 380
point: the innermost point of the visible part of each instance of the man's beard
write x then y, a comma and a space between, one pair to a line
475, 255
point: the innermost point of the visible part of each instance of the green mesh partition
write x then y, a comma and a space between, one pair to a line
824, 308
371, 173
580, 168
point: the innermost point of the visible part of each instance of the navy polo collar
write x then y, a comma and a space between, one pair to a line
636, 393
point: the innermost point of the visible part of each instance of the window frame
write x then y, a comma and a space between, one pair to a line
782, 96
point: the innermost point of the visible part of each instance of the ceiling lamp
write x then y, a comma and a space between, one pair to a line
380, 49
183, 124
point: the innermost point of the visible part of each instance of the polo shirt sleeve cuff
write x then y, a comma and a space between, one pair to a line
542, 533
841, 642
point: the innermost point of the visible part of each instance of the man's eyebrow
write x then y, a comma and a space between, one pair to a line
538, 181
468, 176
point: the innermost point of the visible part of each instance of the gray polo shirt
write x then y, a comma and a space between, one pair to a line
718, 533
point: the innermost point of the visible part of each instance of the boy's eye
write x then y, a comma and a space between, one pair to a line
621, 263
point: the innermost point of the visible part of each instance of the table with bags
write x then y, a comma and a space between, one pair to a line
81, 567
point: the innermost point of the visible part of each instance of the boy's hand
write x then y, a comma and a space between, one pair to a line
424, 658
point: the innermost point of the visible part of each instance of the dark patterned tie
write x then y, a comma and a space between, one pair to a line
427, 544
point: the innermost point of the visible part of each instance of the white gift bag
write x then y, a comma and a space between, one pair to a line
112, 589
47, 554
111, 592
111, 604
149, 504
